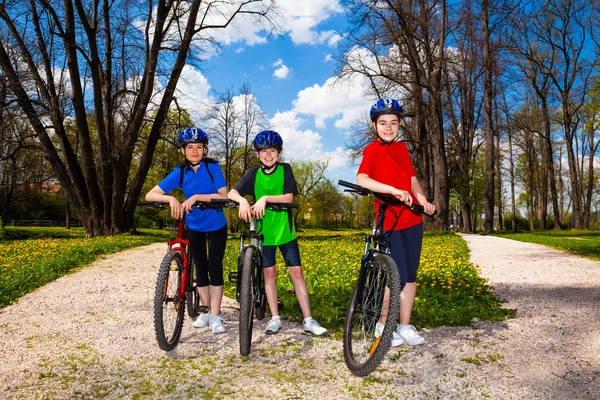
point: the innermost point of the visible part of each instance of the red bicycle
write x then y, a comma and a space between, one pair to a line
176, 284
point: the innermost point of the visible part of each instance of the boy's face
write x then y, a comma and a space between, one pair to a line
387, 126
268, 157
193, 152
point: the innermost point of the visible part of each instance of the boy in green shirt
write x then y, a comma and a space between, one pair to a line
274, 182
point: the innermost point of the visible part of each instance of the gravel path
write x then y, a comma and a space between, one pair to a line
89, 335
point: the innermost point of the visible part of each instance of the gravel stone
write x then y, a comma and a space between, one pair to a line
90, 335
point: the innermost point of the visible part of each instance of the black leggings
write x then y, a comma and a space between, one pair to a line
209, 270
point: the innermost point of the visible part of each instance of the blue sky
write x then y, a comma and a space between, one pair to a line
291, 75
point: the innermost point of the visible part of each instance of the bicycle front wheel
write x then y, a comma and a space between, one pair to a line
364, 344
192, 296
168, 305
246, 277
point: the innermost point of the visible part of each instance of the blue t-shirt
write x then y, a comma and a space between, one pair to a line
198, 182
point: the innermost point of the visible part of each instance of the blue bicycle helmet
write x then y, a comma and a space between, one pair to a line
192, 135
268, 140
385, 106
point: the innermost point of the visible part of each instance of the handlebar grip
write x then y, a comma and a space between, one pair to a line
280, 206
152, 204
354, 187
349, 185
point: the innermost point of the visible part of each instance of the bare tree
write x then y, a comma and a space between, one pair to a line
113, 61
252, 120
566, 26
407, 41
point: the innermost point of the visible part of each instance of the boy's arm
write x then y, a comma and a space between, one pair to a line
419, 194
366, 181
158, 195
259, 207
244, 209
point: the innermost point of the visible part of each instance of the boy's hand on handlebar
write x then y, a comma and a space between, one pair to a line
176, 208
402, 195
429, 208
244, 210
258, 209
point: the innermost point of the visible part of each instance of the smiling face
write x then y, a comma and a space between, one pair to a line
387, 126
193, 152
268, 157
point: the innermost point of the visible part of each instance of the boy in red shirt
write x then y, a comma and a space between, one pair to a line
386, 168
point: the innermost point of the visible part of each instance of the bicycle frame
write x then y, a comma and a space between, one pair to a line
374, 243
181, 243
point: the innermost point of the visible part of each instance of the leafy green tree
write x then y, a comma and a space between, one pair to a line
65, 61
309, 175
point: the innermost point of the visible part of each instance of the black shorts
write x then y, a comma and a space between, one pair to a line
289, 250
406, 251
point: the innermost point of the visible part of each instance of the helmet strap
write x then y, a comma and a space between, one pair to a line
264, 168
194, 164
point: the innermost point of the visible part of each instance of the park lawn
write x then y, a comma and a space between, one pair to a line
32, 257
585, 243
450, 289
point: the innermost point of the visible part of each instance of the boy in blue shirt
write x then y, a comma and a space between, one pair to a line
201, 179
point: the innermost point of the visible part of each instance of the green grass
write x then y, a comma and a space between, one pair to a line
32, 257
584, 243
450, 290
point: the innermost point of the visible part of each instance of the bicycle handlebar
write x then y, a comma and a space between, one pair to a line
271, 206
203, 205
216, 203
354, 188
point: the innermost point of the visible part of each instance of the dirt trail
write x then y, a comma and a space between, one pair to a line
90, 335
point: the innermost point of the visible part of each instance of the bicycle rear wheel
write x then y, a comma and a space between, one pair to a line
363, 351
246, 299
192, 296
168, 306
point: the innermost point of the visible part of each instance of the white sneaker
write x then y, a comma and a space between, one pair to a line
202, 320
313, 327
273, 326
216, 324
397, 340
409, 333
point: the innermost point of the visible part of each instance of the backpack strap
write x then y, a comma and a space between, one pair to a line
182, 171
208, 170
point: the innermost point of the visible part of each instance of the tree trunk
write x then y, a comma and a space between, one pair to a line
489, 128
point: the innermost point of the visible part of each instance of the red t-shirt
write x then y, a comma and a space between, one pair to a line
390, 164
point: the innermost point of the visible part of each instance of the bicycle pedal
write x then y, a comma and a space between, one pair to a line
233, 277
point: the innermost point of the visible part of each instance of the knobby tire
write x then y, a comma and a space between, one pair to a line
246, 300
363, 352
192, 296
168, 307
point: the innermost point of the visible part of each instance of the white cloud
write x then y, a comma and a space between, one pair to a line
334, 40
343, 99
328, 58
298, 19
306, 144
192, 91
282, 70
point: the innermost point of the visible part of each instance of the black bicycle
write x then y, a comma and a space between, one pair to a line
249, 278
376, 294
176, 284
